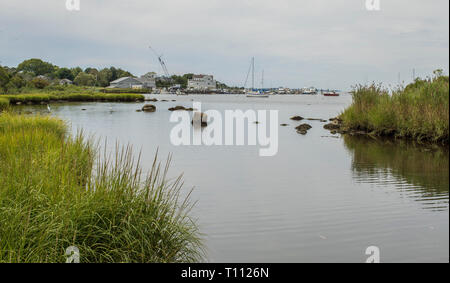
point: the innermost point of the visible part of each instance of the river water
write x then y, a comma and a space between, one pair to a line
321, 198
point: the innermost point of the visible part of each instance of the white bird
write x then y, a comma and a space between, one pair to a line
111, 109
48, 108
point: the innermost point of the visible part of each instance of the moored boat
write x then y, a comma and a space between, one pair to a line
330, 93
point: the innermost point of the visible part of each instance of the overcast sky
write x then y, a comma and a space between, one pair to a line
322, 43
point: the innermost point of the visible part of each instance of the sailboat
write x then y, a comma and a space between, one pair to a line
252, 92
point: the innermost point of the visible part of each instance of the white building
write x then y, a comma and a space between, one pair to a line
202, 82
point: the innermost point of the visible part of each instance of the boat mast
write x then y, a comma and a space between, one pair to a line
253, 73
262, 80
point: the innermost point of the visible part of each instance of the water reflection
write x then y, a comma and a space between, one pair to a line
420, 172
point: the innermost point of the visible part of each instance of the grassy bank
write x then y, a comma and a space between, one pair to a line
55, 192
420, 111
4, 104
36, 98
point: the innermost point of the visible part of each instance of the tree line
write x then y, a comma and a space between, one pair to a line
35, 73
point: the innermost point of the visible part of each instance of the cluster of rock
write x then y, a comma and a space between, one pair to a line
303, 128
335, 126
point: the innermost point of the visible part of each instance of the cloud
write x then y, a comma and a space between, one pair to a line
328, 43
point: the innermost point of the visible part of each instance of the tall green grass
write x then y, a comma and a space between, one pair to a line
57, 191
420, 111
4, 104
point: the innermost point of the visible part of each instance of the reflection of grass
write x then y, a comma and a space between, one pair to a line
51, 197
418, 165
420, 111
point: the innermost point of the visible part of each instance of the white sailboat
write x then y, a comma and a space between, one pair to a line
252, 92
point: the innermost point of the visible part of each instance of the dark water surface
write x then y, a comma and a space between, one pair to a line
320, 199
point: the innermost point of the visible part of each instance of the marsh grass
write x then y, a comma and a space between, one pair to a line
4, 104
58, 191
36, 98
419, 112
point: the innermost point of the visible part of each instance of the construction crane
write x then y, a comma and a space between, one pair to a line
161, 62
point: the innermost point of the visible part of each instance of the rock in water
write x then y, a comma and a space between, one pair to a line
200, 119
297, 118
149, 108
303, 129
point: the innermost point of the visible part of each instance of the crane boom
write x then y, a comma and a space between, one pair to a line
161, 62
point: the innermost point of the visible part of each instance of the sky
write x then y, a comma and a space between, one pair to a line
332, 44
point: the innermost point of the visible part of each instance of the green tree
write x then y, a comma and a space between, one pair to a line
105, 77
16, 82
36, 66
4, 78
76, 71
84, 79
65, 73
39, 83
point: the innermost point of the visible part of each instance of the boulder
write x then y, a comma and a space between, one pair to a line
200, 119
303, 129
149, 108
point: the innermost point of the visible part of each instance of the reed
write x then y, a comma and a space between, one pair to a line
419, 112
57, 191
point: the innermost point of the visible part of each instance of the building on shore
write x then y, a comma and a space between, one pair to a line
146, 81
202, 82
65, 82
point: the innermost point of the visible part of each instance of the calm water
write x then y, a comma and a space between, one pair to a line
320, 199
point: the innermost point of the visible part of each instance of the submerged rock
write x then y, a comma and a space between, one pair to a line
284, 125
151, 99
149, 108
297, 118
178, 108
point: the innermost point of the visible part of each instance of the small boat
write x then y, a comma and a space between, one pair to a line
256, 94
251, 92
330, 93
309, 91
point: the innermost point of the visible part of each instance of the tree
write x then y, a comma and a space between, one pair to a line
40, 83
36, 66
76, 71
16, 82
4, 78
84, 79
105, 77
65, 73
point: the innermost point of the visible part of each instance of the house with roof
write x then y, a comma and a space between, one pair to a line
65, 82
145, 81
202, 82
